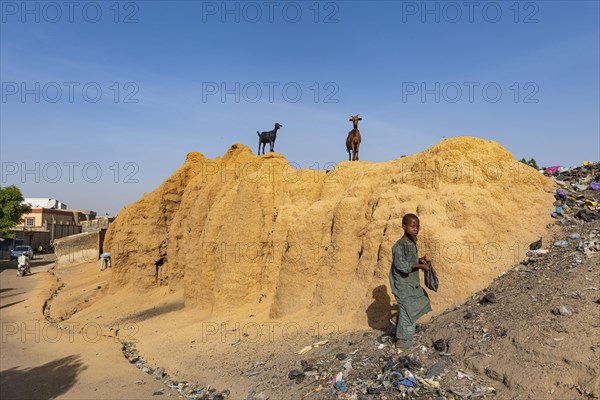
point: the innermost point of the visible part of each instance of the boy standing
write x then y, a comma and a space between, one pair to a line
412, 299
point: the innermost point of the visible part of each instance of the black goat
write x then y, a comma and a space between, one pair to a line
268, 137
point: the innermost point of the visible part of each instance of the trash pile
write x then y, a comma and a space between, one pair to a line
48, 305
376, 369
191, 391
577, 195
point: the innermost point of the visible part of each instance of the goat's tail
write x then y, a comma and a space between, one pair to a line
258, 133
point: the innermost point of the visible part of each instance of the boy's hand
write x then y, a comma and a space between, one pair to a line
423, 260
424, 266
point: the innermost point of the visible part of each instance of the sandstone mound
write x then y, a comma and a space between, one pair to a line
252, 233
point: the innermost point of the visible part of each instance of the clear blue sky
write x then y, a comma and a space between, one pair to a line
374, 58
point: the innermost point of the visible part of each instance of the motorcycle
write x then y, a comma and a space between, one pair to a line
21, 270
23, 267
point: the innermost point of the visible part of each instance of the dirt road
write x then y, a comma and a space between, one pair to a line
41, 361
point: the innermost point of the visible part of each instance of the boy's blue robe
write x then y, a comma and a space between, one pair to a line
405, 283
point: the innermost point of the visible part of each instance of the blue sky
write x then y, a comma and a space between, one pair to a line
524, 74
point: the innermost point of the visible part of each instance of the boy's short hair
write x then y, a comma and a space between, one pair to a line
409, 217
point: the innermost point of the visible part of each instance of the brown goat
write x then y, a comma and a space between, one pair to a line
353, 139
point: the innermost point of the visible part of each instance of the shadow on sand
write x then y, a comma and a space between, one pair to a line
47, 381
12, 304
381, 312
154, 312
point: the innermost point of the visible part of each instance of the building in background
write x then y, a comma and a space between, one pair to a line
48, 221
40, 202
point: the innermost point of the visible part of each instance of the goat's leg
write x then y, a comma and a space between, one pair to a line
259, 147
356, 152
272, 145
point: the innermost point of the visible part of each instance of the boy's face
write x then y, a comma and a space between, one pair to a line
412, 228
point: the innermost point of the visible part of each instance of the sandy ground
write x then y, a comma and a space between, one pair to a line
40, 361
517, 345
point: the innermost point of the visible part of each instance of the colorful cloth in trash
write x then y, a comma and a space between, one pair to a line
561, 193
553, 169
409, 381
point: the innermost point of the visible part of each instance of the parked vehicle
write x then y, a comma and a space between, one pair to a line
17, 251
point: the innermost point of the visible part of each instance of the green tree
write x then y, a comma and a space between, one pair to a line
532, 163
12, 209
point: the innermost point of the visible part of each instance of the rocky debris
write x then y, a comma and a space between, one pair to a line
590, 244
488, 298
48, 305
306, 366
564, 311
536, 245
296, 375
441, 345
191, 391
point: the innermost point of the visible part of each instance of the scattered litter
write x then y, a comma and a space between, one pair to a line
338, 381
235, 343
434, 371
304, 350
441, 345
408, 381
533, 253
296, 375
306, 366
310, 347
536, 245
562, 310
489, 298
430, 383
